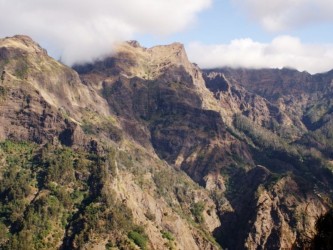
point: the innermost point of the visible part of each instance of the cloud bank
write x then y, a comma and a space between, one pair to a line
282, 15
283, 51
83, 30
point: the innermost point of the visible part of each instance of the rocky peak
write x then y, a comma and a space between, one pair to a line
174, 53
152, 62
143, 112
134, 43
22, 42
169, 62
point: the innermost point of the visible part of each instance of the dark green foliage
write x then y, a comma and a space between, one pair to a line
36, 198
282, 158
48, 191
105, 127
197, 209
321, 139
259, 135
165, 181
138, 238
318, 113
59, 166
167, 235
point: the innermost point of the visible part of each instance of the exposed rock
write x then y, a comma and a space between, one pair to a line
259, 142
164, 219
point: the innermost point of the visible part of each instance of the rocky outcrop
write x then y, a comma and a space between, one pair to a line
292, 91
162, 101
158, 217
187, 155
237, 99
41, 99
283, 213
112, 107
188, 119
276, 100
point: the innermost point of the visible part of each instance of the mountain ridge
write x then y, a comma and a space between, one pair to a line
191, 155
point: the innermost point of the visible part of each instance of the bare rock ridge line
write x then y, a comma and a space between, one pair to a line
167, 156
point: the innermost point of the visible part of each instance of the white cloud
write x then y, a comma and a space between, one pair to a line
283, 51
84, 30
281, 15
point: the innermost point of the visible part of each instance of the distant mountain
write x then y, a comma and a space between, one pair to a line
306, 99
143, 149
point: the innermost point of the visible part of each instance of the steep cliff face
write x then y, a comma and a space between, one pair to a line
287, 148
237, 99
93, 185
293, 91
217, 133
143, 149
303, 100
42, 99
162, 101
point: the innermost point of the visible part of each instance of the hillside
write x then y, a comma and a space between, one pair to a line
142, 149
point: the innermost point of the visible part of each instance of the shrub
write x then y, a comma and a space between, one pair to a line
139, 239
197, 209
167, 235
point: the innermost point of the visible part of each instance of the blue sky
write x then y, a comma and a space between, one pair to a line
306, 30
224, 21
216, 33
219, 23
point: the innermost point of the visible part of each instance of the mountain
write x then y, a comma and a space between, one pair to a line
143, 149
304, 98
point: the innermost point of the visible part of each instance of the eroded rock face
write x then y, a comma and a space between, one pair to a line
274, 83
296, 94
161, 98
43, 101
25, 115
237, 99
163, 117
281, 215
188, 119
144, 205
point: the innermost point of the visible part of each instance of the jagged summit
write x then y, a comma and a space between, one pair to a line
22, 42
138, 61
144, 149
134, 43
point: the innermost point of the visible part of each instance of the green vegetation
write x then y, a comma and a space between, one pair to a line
170, 244
197, 209
270, 150
316, 113
167, 235
48, 191
259, 135
139, 238
105, 127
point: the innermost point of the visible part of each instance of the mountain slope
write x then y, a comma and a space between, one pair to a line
280, 146
143, 149
220, 144
105, 190
304, 98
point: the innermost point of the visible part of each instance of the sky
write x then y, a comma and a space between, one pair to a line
216, 33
